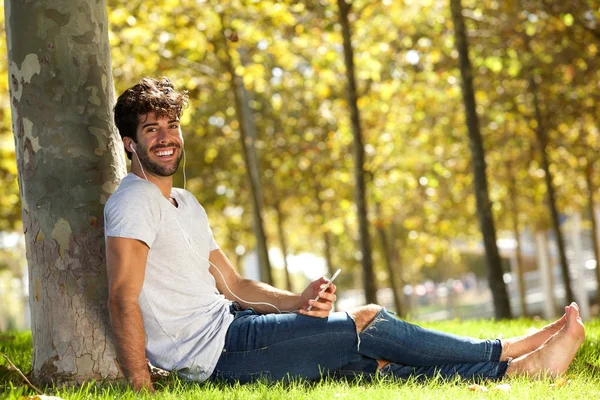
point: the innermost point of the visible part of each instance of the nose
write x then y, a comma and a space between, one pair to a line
163, 135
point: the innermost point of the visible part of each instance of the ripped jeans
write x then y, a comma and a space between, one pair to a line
276, 347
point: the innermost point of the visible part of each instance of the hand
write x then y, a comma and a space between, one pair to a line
141, 383
322, 307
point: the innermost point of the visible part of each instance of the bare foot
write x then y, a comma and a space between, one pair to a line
516, 347
553, 357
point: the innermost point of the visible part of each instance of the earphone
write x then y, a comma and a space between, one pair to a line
132, 148
189, 240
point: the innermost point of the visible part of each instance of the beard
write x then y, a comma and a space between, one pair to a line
155, 168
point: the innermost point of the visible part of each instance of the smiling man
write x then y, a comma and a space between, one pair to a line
175, 298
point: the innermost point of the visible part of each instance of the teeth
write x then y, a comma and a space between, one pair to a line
164, 153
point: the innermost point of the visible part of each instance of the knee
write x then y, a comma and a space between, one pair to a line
364, 315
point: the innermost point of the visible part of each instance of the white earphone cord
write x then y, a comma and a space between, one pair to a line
204, 258
235, 295
139, 162
225, 281
184, 178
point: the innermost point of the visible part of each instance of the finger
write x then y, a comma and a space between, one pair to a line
323, 282
332, 288
320, 305
327, 297
315, 313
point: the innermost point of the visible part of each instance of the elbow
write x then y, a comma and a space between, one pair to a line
118, 303
113, 305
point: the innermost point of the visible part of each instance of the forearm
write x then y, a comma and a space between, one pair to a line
259, 292
130, 342
248, 292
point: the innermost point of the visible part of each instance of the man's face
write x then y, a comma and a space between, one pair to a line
159, 145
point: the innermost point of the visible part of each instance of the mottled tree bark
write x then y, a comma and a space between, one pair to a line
69, 160
484, 209
369, 283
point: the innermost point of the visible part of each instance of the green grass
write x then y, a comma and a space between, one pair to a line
582, 380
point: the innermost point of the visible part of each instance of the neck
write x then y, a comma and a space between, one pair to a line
164, 183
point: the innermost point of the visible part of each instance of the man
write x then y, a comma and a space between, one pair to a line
175, 298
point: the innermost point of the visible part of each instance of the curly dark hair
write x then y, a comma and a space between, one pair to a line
150, 95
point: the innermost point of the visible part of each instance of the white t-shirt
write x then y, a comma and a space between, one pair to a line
185, 316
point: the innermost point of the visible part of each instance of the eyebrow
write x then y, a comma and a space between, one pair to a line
156, 123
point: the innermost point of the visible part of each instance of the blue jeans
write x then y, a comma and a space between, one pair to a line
289, 346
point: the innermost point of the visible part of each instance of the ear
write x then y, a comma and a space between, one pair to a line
129, 145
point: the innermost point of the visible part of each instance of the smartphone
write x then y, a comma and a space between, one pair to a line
326, 286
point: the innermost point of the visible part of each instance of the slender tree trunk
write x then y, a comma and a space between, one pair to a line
328, 251
519, 258
542, 141
386, 248
387, 255
247, 136
589, 169
546, 276
326, 236
370, 285
69, 161
517, 234
484, 210
238, 257
282, 243
398, 267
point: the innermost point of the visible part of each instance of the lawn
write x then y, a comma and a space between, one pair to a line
581, 382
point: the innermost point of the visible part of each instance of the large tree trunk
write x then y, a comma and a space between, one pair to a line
69, 161
484, 210
369, 282
247, 137
542, 141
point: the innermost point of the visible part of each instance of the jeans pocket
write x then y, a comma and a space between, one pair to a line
243, 366
241, 377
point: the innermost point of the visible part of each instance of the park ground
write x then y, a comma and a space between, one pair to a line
582, 381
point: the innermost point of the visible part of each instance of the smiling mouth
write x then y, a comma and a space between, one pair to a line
164, 153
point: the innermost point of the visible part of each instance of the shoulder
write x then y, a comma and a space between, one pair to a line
133, 188
134, 211
134, 195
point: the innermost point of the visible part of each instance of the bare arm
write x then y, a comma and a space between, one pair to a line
126, 264
259, 292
